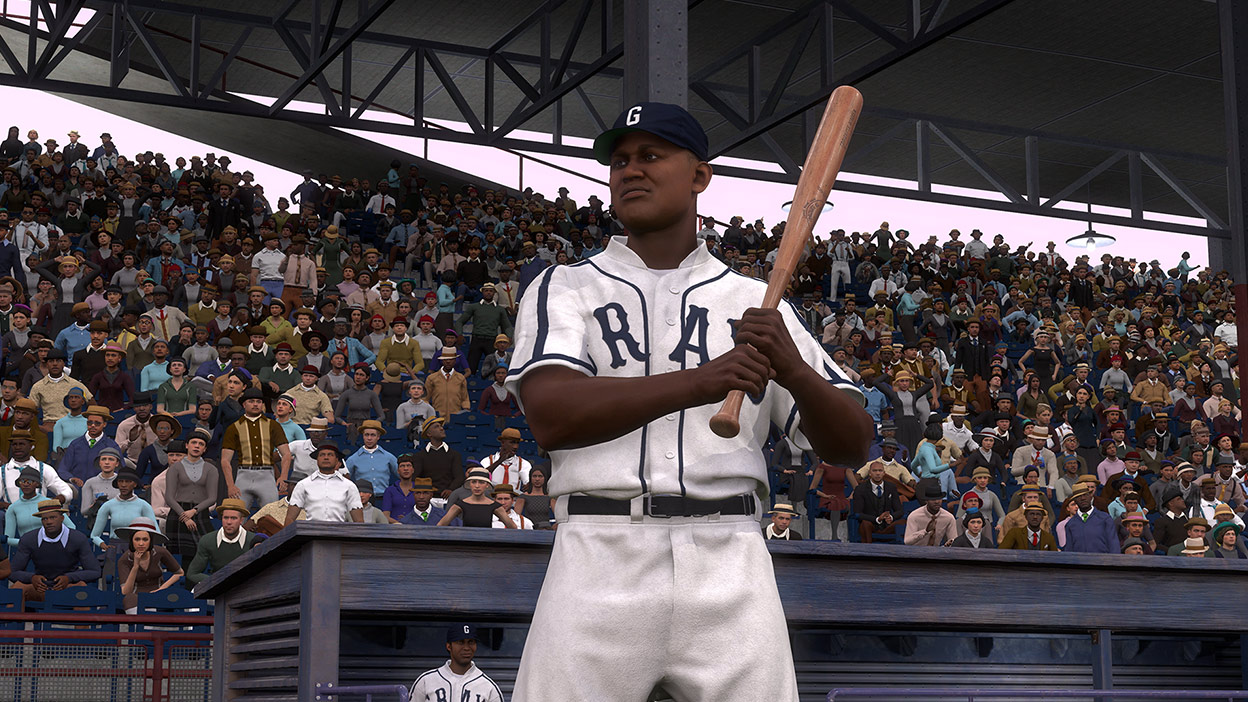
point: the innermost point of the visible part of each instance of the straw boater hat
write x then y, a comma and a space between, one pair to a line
783, 508
47, 508
372, 424
428, 423
1080, 488
318, 424
479, 473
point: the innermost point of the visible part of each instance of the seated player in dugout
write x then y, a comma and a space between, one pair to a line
620, 362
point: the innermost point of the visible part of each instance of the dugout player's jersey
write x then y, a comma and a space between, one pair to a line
441, 685
610, 316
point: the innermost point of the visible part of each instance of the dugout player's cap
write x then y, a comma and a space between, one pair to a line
670, 122
461, 632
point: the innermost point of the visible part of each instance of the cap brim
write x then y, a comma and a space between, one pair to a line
605, 143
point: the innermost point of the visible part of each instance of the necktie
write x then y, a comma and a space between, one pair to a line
1084, 516
879, 490
1035, 540
91, 442
164, 329
5, 416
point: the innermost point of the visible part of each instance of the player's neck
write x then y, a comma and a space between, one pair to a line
665, 249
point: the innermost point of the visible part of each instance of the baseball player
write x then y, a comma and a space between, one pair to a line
620, 362
459, 679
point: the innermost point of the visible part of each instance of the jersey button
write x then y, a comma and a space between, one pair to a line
671, 454
674, 290
671, 417
671, 321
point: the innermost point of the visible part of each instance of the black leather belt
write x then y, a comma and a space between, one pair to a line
663, 506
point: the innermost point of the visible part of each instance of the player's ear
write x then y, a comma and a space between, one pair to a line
701, 177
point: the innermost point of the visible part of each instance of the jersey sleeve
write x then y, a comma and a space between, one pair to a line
550, 329
784, 409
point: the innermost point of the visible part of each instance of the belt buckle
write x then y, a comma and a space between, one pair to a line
648, 508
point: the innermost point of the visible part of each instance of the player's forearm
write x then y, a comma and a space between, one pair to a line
605, 409
836, 426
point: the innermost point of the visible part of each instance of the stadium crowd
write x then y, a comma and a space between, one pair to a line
188, 366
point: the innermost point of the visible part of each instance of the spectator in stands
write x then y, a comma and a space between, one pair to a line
190, 490
496, 401
327, 495
303, 451
932, 525
77, 462
424, 512
477, 509
876, 505
1090, 530
448, 389
217, 548
19, 516
369, 512
782, 516
412, 413
254, 439
505, 496
358, 403
371, 462
154, 458
54, 557
20, 454
1197, 528
1033, 536
49, 393
146, 566
121, 510
1225, 537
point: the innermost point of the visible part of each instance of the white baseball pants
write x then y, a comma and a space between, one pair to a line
689, 605
840, 270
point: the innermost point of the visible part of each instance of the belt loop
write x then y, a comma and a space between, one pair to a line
560, 511
637, 508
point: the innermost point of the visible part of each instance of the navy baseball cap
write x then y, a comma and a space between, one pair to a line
671, 122
461, 632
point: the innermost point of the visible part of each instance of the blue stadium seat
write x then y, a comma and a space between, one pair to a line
174, 600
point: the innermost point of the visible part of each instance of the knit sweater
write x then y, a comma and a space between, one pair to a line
20, 518
52, 560
209, 554
118, 514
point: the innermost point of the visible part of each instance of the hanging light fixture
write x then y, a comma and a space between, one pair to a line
1091, 239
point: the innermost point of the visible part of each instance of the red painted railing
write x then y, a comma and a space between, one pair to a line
155, 674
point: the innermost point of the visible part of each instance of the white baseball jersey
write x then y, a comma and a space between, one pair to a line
611, 316
441, 685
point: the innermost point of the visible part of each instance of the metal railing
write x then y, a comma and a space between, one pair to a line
328, 692
845, 694
80, 660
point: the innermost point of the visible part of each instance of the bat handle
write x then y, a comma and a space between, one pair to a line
726, 422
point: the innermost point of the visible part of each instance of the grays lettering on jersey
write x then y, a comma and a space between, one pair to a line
611, 316
441, 685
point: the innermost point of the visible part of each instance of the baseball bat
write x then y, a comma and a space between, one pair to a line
814, 186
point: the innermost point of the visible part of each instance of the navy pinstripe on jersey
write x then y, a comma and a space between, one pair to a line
611, 316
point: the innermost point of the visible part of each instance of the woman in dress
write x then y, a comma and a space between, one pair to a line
348, 284
357, 403
177, 396
829, 485
147, 566
477, 509
330, 248
534, 503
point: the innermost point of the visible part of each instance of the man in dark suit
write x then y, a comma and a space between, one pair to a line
1032, 537
876, 505
973, 353
89, 361
223, 211
1090, 530
1171, 527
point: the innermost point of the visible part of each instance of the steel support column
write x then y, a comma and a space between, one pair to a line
656, 51
1233, 27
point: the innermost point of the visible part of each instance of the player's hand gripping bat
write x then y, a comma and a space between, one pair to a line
813, 187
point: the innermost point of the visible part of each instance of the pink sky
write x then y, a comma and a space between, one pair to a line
725, 197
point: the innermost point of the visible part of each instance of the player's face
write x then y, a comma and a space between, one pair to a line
462, 652
654, 182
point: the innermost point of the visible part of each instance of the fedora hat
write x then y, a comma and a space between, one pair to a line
99, 411
932, 492
127, 474
505, 489
449, 352
144, 524
510, 433
48, 508
235, 504
422, 484
318, 424
1193, 546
